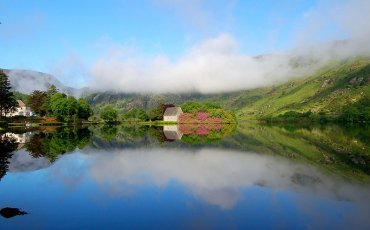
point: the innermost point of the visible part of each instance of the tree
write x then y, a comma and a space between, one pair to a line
72, 106
7, 100
109, 114
191, 107
84, 110
47, 104
36, 102
136, 114
59, 106
157, 113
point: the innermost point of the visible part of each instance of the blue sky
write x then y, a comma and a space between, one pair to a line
37, 32
68, 35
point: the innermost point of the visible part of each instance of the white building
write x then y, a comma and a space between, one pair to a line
172, 114
22, 110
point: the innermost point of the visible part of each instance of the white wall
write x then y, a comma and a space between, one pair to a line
170, 118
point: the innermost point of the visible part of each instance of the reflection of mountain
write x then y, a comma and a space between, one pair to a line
343, 151
340, 150
218, 177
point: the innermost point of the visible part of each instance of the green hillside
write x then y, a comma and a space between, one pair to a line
125, 102
329, 91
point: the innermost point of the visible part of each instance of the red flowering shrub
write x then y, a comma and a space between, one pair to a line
202, 131
199, 129
215, 116
202, 116
186, 129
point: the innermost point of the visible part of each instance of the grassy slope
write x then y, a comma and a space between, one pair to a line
329, 90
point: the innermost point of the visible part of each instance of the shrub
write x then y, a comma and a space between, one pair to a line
109, 114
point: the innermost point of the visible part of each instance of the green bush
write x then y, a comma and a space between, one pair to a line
136, 114
109, 114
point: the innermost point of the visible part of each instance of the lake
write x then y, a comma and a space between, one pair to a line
188, 177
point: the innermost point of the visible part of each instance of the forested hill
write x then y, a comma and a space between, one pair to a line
329, 91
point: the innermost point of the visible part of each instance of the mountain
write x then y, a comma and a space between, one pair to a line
124, 102
329, 90
26, 81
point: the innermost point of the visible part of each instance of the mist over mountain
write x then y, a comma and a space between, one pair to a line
26, 81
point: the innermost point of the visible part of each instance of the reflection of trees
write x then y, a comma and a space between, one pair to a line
135, 131
51, 145
157, 133
36, 145
108, 132
7, 146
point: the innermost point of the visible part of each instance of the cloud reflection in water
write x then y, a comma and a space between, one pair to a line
216, 176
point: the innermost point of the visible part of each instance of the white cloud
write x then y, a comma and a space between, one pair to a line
71, 71
214, 65
217, 64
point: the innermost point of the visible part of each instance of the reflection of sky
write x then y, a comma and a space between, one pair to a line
163, 188
22, 161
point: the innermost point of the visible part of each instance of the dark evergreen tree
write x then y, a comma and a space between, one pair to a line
7, 99
36, 102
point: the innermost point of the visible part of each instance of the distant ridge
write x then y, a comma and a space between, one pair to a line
26, 81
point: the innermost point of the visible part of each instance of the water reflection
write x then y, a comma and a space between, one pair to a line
340, 150
8, 144
217, 177
172, 132
52, 144
295, 176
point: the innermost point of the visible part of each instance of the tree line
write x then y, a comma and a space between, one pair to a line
55, 104
110, 114
50, 103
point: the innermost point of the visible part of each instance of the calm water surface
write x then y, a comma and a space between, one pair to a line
185, 177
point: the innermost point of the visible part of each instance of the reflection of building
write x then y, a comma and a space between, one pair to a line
172, 132
22, 110
19, 138
172, 114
